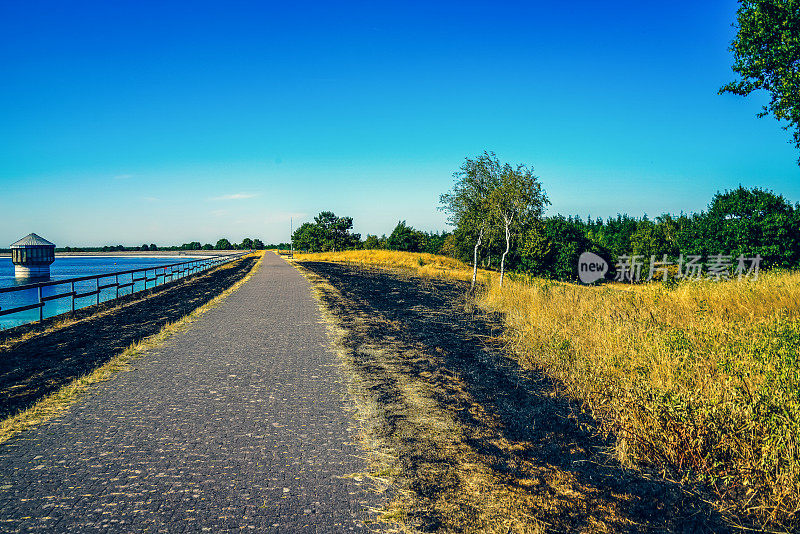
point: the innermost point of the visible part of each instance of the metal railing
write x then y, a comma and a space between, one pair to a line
82, 287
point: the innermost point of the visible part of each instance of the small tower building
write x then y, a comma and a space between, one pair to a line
32, 256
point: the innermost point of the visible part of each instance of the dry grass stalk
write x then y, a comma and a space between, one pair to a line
700, 380
420, 263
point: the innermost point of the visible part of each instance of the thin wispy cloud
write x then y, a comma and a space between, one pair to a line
236, 196
151, 199
282, 216
123, 176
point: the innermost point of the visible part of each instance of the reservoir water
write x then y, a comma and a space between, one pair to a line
71, 267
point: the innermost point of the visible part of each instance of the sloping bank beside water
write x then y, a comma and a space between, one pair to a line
44, 367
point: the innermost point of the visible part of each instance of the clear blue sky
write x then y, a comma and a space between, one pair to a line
132, 122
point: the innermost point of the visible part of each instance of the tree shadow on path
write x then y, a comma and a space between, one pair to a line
543, 462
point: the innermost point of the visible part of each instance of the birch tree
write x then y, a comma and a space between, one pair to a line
516, 199
468, 204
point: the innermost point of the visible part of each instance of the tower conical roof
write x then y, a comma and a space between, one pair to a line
32, 240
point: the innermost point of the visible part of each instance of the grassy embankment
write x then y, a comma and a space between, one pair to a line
699, 381
416, 262
57, 402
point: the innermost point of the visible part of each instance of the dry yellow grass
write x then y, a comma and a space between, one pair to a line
700, 380
420, 263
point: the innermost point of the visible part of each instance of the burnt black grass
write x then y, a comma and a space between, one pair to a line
517, 456
50, 357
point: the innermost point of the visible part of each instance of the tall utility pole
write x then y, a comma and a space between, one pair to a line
291, 239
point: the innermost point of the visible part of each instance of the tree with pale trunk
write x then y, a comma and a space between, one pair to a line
468, 204
516, 199
489, 197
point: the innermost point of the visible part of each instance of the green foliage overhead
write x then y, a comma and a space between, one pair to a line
767, 56
516, 199
308, 237
435, 242
467, 204
517, 196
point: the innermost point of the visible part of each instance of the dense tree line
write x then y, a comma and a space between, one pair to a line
748, 222
327, 233
331, 233
408, 239
222, 244
496, 211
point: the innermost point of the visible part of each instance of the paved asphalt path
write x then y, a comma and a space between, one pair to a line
238, 423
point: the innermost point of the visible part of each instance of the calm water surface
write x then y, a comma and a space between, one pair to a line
71, 267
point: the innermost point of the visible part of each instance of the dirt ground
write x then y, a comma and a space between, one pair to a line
53, 356
480, 444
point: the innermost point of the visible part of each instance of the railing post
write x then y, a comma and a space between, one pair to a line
178, 270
